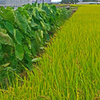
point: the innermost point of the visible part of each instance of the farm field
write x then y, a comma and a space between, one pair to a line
70, 67
24, 33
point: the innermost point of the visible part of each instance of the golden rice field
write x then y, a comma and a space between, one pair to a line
70, 66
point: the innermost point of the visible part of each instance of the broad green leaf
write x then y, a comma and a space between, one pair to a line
36, 4
30, 11
5, 65
19, 52
23, 12
28, 41
46, 26
9, 26
1, 18
27, 50
27, 57
6, 39
2, 27
7, 14
54, 9
20, 21
41, 33
38, 24
10, 8
40, 5
29, 62
42, 25
3, 31
38, 36
36, 14
36, 59
26, 7
18, 36
33, 24
26, 21
45, 8
42, 48
33, 48
33, 51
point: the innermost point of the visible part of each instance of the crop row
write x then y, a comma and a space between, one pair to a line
23, 32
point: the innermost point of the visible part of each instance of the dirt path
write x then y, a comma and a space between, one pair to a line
74, 10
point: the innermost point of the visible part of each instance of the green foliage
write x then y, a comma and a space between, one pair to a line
5, 39
7, 12
24, 31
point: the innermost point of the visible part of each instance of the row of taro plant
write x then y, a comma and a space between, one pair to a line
23, 32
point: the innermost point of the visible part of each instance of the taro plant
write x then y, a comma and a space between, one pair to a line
23, 32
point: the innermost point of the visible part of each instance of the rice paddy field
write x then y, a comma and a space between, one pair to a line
70, 67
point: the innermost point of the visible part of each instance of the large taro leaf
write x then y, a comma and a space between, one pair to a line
34, 46
18, 36
6, 39
19, 52
38, 36
35, 4
38, 41
26, 49
33, 24
3, 30
23, 12
27, 24
40, 5
43, 14
7, 14
29, 62
10, 8
54, 9
30, 11
36, 60
28, 41
26, 7
9, 26
37, 25
1, 18
46, 26
20, 21
33, 50
36, 14
46, 9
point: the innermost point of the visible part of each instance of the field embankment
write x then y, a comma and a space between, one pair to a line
69, 69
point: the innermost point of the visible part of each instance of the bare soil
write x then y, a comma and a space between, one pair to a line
74, 10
